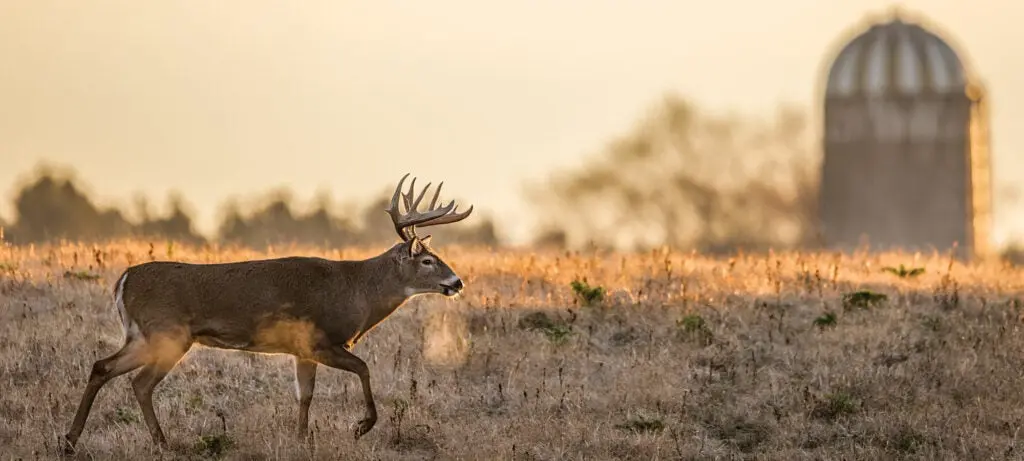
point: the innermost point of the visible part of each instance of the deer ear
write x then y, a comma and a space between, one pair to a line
415, 247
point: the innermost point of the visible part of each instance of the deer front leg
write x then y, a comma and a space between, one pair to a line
338, 357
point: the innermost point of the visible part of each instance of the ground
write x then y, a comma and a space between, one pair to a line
552, 355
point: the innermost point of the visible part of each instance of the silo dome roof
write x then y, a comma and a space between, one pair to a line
896, 56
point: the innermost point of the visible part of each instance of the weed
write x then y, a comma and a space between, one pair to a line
693, 327
889, 360
907, 440
556, 332
586, 294
81, 275
863, 299
400, 407
902, 271
826, 320
639, 425
932, 323
214, 446
195, 402
947, 294
744, 434
835, 405
692, 323
535, 320
125, 416
625, 336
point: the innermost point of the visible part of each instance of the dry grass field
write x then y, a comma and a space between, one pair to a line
771, 356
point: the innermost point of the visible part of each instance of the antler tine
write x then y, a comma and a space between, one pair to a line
449, 218
434, 213
416, 204
395, 213
437, 192
398, 191
407, 196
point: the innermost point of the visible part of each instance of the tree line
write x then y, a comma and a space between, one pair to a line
53, 206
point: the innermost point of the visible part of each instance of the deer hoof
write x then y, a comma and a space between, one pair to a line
363, 426
67, 447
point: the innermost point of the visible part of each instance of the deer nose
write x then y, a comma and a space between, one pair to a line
458, 285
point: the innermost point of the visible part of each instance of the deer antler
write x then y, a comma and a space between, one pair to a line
405, 224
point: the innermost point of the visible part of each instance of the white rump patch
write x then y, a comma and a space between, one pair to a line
131, 329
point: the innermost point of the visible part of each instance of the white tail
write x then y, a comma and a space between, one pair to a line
131, 329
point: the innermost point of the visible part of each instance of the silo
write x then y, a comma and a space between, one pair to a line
906, 161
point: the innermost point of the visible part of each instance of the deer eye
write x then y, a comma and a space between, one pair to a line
427, 262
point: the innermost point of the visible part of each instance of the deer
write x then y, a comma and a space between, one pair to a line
311, 308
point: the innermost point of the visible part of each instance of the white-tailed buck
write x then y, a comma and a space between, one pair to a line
311, 308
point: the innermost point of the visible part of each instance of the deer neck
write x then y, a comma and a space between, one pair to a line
384, 291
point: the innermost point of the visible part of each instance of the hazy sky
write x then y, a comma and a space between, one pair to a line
230, 98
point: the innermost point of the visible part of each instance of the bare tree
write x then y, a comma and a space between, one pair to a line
686, 179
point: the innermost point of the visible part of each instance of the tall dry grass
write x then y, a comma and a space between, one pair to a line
780, 356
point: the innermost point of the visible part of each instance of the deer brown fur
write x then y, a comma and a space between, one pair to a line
311, 308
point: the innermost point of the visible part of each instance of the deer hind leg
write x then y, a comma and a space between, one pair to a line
131, 356
163, 355
305, 382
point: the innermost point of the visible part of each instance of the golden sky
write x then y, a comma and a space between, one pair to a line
230, 98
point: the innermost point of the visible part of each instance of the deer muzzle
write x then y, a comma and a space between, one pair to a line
452, 287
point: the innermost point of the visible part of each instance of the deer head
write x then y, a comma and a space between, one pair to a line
422, 270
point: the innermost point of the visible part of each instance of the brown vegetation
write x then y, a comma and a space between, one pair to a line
554, 355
